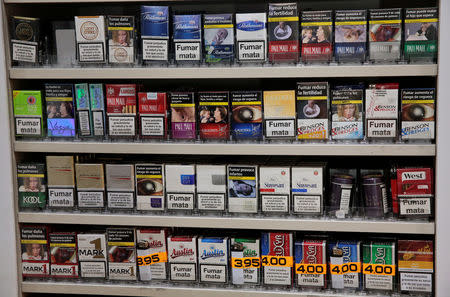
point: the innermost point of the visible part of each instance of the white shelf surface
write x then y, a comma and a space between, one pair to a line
287, 149
256, 223
167, 291
224, 72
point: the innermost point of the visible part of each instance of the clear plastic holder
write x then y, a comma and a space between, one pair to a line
245, 273
183, 260
90, 33
213, 261
32, 189
211, 196
379, 266
243, 193
307, 190
316, 37
342, 194
274, 190
279, 116
374, 194
311, 265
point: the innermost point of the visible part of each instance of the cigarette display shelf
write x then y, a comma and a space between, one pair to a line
226, 222
288, 149
225, 72
110, 289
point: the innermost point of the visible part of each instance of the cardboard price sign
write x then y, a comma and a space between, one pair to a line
248, 262
281, 261
379, 269
302, 268
152, 259
350, 267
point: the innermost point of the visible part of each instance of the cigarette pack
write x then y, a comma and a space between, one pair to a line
385, 34
31, 183
312, 110
121, 110
283, 32
63, 255
121, 254
307, 190
218, 32
91, 39
214, 115
213, 259
28, 113
251, 37
25, 39
182, 258
310, 252
379, 253
350, 36
274, 189
187, 38
277, 244
180, 187
120, 186
421, 33
182, 105
415, 189
317, 36
211, 187
342, 199
92, 255
242, 188
97, 101
121, 39
60, 110
153, 115
416, 265
34, 244
90, 185
342, 252
418, 114
84, 117
279, 114
382, 111
150, 242
245, 248
150, 187
347, 118
155, 33
61, 182
247, 115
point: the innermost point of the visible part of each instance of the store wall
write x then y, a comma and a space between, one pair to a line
8, 254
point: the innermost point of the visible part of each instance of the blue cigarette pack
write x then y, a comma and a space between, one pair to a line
219, 37
341, 252
187, 37
155, 33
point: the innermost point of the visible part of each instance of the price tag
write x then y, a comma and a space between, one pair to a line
301, 268
350, 267
379, 269
281, 261
152, 259
248, 262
